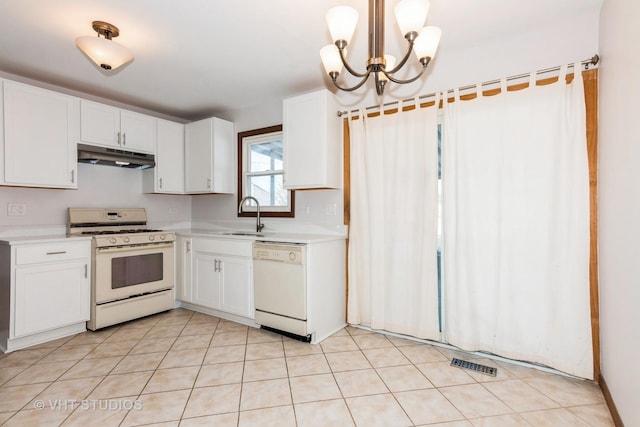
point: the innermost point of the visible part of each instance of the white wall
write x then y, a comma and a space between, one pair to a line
619, 203
529, 50
98, 186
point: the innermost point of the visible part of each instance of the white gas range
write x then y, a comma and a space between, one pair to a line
133, 267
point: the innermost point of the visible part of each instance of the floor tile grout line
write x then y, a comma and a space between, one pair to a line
344, 399
485, 384
114, 367
193, 386
244, 367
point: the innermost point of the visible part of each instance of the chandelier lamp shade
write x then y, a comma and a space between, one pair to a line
410, 15
104, 52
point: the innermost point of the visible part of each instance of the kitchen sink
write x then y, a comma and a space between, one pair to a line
243, 233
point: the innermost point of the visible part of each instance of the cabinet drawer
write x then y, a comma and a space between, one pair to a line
63, 251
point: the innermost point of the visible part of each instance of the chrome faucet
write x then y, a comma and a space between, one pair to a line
259, 225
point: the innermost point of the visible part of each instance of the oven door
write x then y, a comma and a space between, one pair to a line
123, 272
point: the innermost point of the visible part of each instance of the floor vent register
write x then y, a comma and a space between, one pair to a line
483, 369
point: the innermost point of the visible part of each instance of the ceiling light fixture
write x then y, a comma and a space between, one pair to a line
410, 14
104, 51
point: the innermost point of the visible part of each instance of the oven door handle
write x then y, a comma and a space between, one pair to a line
130, 248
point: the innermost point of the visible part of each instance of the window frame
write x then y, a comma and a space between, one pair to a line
248, 210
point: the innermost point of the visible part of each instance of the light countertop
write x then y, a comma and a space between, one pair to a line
36, 239
265, 236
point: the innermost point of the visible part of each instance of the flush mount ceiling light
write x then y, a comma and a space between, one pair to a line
410, 14
104, 51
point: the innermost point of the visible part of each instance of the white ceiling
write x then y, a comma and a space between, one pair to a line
197, 58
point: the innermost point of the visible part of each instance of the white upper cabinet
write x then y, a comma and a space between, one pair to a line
312, 141
108, 126
209, 156
168, 174
40, 137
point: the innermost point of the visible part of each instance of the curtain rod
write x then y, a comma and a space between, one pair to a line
587, 62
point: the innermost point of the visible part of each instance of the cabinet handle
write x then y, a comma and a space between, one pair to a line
219, 266
161, 183
85, 271
215, 265
208, 182
188, 247
119, 139
57, 253
73, 176
124, 138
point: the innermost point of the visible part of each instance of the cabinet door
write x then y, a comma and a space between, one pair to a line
183, 269
312, 141
51, 295
198, 156
236, 296
99, 124
206, 280
224, 163
138, 132
169, 170
41, 133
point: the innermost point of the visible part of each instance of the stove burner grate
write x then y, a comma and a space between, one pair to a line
141, 230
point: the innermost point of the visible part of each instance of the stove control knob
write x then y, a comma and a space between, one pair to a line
126, 239
162, 237
112, 240
152, 237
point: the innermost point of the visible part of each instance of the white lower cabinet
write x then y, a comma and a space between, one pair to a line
45, 291
220, 275
183, 269
50, 296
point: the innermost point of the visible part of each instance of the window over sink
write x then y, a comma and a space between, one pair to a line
260, 173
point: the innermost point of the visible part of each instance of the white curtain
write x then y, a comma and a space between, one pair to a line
516, 225
393, 228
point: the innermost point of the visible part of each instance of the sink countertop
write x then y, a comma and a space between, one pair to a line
264, 236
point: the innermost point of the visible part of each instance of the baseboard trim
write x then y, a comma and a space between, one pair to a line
617, 421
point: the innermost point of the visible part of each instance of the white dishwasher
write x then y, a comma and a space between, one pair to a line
280, 287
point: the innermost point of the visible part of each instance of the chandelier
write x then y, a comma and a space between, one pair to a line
104, 52
410, 14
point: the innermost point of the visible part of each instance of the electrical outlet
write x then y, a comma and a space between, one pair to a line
16, 209
332, 208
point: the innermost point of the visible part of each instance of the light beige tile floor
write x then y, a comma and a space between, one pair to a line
182, 368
